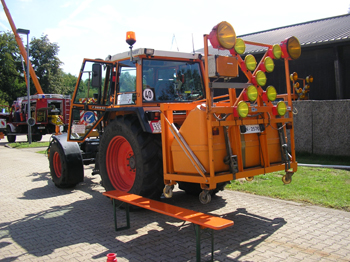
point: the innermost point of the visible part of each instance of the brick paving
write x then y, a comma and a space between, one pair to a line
39, 222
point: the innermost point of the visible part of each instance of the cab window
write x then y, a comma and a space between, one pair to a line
171, 81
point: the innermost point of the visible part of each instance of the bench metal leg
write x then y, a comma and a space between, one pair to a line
198, 242
127, 212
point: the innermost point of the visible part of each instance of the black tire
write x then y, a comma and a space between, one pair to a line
130, 160
10, 138
62, 175
195, 188
37, 138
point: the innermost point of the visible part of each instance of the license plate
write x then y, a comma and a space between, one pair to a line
250, 129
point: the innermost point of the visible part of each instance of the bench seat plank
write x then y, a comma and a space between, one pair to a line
198, 218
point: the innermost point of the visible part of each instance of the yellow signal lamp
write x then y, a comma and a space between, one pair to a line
222, 36
294, 77
130, 38
252, 93
250, 62
296, 85
259, 78
275, 51
280, 109
241, 110
309, 79
307, 87
267, 65
291, 48
271, 93
240, 46
299, 90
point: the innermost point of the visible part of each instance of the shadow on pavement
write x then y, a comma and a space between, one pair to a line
151, 235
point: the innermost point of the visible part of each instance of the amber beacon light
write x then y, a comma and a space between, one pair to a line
130, 38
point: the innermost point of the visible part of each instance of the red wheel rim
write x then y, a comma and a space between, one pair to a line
57, 164
121, 164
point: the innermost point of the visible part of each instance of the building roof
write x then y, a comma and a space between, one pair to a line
317, 32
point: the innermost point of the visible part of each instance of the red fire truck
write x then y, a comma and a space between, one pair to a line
46, 112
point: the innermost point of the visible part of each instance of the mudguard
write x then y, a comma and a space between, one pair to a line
72, 158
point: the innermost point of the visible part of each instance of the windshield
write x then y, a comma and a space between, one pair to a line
171, 81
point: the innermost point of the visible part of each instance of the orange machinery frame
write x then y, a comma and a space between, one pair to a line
210, 179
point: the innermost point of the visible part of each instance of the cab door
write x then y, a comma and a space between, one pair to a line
90, 99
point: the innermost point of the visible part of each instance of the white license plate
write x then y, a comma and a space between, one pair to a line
252, 129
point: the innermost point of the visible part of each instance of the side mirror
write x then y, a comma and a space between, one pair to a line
96, 75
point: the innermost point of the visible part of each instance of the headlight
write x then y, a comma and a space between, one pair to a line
250, 62
242, 109
222, 36
260, 78
271, 93
291, 48
269, 64
252, 93
281, 108
240, 46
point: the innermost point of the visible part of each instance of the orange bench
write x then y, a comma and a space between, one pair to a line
200, 220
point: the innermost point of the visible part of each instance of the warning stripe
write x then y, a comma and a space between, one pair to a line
82, 113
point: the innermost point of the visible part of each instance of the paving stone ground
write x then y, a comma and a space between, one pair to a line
39, 222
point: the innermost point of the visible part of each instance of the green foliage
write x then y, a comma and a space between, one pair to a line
12, 82
127, 82
318, 186
67, 84
46, 64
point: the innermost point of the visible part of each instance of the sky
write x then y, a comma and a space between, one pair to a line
97, 28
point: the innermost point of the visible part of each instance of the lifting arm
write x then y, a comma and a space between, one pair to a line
22, 49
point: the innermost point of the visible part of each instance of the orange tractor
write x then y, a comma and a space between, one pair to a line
148, 119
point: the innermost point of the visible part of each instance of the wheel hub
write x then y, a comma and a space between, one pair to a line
121, 164
132, 162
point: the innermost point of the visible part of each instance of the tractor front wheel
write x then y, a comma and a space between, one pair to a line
62, 175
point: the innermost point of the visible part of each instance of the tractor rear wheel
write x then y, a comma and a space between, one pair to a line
130, 159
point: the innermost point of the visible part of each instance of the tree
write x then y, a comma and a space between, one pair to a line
67, 85
12, 83
46, 64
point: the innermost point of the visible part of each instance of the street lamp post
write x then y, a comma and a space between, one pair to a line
26, 32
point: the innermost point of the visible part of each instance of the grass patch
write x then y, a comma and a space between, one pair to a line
306, 158
41, 152
318, 186
27, 145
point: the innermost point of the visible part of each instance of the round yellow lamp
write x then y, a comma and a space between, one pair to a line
222, 36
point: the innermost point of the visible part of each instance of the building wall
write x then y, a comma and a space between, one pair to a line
322, 127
